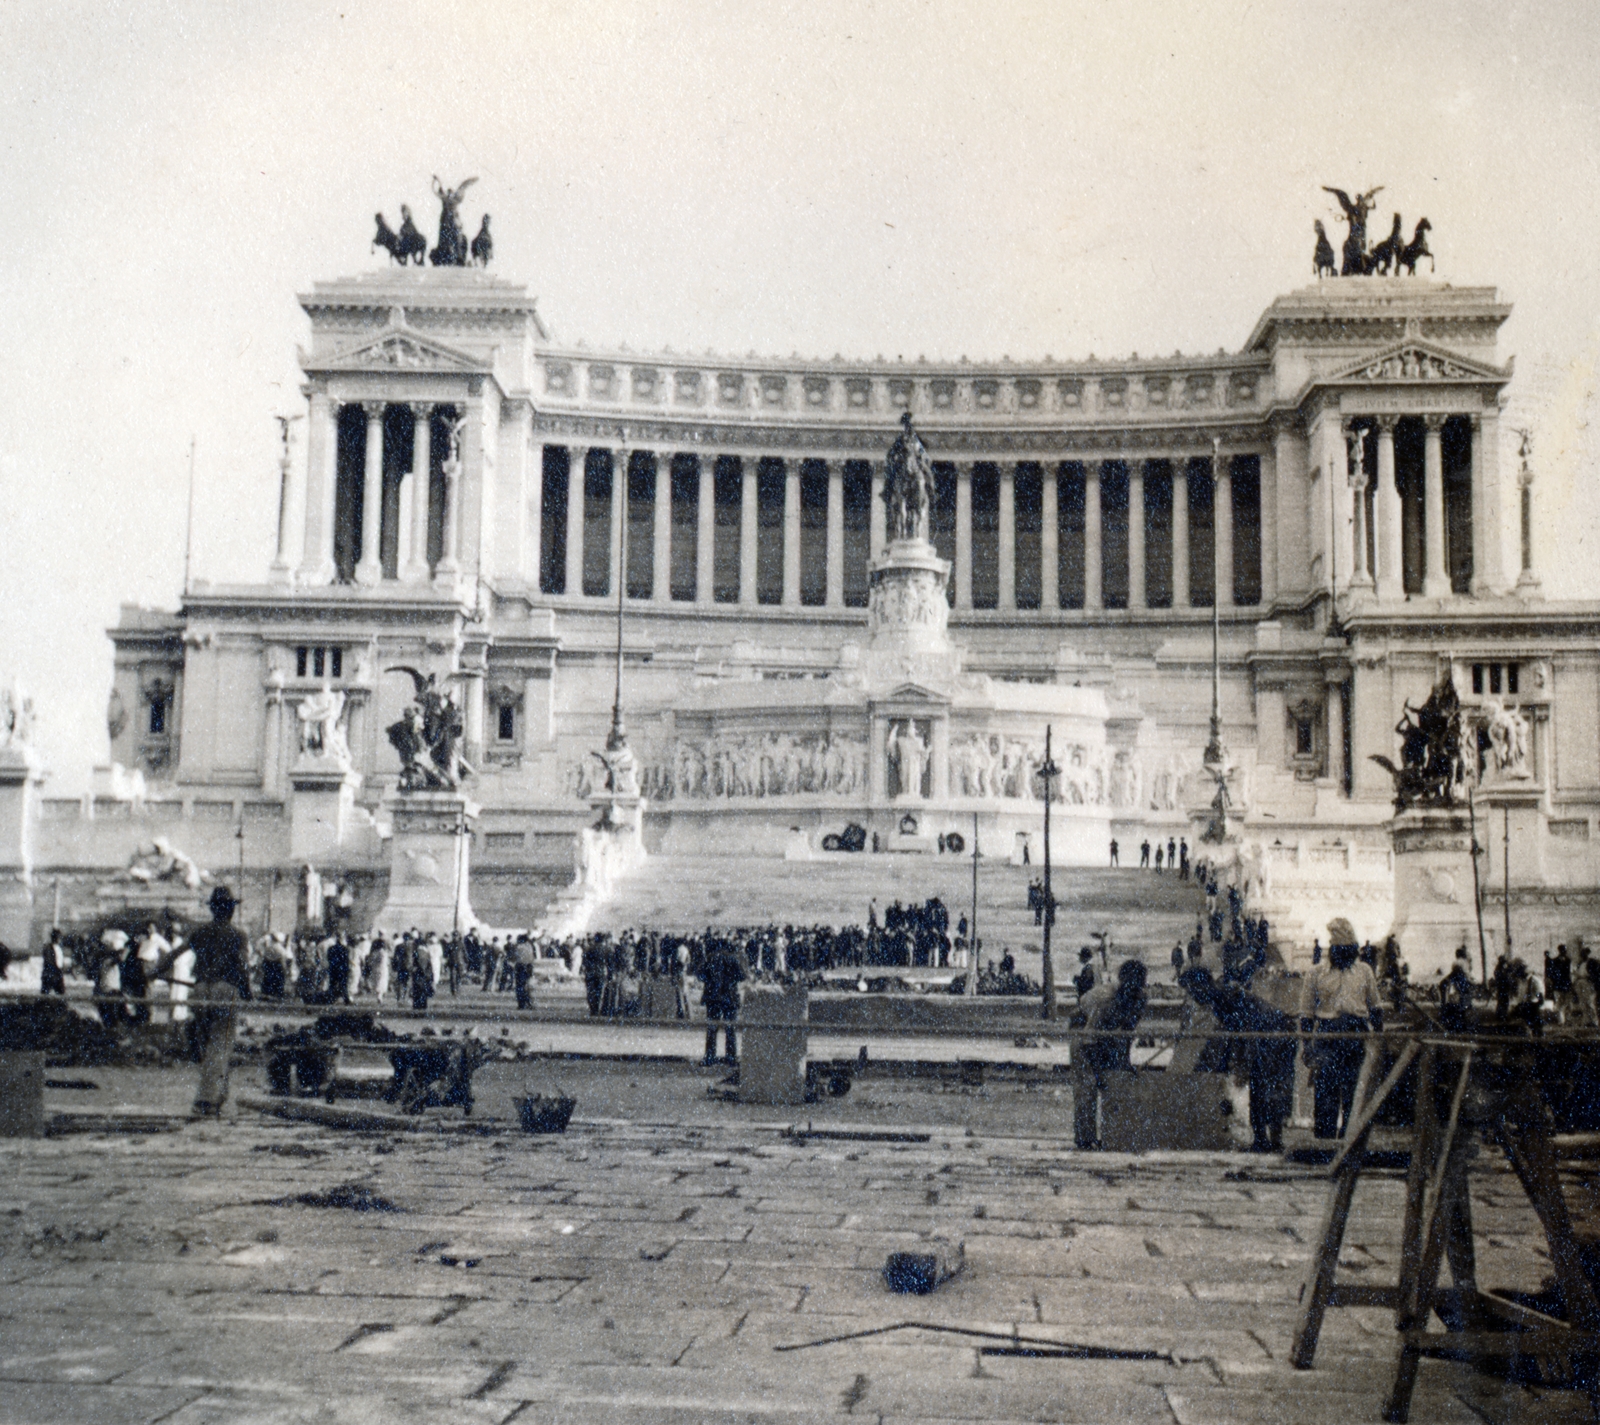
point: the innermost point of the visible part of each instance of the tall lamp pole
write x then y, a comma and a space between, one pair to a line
618, 737
1049, 771
972, 934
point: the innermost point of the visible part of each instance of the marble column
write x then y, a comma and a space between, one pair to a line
415, 493
472, 687
616, 539
369, 569
1391, 567
835, 551
1355, 481
791, 533
322, 445
1436, 577
1527, 580
577, 461
1180, 533
876, 516
449, 515
1222, 523
1335, 732
1049, 537
964, 535
1360, 576
661, 534
280, 562
1268, 487
1008, 536
1488, 546
705, 531
747, 532
1093, 587
1136, 585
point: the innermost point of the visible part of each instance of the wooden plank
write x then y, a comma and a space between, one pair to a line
1357, 1129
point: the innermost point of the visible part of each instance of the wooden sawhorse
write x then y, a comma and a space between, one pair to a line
1492, 1087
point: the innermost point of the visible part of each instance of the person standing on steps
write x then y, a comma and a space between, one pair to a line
222, 978
1114, 851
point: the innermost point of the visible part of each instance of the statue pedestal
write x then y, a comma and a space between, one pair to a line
320, 806
607, 851
428, 864
20, 776
1433, 906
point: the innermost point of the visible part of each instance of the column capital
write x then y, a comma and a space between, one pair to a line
1385, 424
422, 409
374, 409
1434, 420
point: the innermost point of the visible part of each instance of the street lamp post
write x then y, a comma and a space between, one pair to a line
1048, 771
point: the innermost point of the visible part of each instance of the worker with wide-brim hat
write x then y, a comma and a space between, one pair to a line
1341, 998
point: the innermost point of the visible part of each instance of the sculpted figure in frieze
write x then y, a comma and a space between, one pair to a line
1507, 730
774, 764
322, 718
16, 716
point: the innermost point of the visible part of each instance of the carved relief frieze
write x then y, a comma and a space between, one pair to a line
725, 767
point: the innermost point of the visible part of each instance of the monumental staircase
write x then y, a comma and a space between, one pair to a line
1144, 913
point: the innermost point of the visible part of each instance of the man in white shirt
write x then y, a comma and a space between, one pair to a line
1340, 998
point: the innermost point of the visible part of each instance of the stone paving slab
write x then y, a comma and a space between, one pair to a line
630, 1272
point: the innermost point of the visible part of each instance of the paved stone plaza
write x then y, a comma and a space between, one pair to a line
650, 1271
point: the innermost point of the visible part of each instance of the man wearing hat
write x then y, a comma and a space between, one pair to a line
1341, 998
222, 976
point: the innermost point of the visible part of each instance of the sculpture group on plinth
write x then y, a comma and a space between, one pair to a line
428, 737
430, 817
1385, 258
1431, 772
1435, 907
452, 250
907, 485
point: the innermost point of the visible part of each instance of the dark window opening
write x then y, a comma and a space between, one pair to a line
1069, 535
1029, 502
985, 536
684, 556
1114, 534
644, 487
553, 521
507, 723
727, 495
857, 531
813, 532
769, 531
942, 519
1246, 571
597, 486
1158, 534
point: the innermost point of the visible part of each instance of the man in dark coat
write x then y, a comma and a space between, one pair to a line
721, 974
1269, 1061
222, 977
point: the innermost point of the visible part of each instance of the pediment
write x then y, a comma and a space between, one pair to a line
913, 693
398, 348
1413, 360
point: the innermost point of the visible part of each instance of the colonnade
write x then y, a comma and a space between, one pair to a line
415, 509
1002, 575
1376, 556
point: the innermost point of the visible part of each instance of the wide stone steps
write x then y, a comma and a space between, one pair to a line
1143, 912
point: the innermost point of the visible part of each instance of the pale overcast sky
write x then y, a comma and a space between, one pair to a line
899, 178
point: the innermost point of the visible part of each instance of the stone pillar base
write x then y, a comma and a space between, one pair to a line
1433, 905
320, 807
20, 776
428, 864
